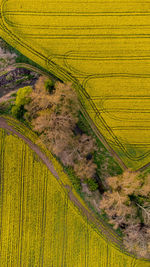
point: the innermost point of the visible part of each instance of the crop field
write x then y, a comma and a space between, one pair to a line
103, 49
40, 225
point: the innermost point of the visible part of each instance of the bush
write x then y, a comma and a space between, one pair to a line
5, 108
49, 86
92, 184
23, 96
74, 179
22, 99
18, 111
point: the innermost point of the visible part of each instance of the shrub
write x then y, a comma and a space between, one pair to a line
22, 99
92, 184
49, 86
74, 179
18, 111
23, 96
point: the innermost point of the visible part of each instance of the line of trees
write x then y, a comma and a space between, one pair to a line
53, 112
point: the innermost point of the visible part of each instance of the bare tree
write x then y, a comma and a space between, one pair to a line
54, 116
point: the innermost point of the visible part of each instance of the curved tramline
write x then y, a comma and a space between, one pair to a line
103, 49
43, 221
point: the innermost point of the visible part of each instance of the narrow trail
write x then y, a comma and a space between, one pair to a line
102, 227
83, 110
35, 148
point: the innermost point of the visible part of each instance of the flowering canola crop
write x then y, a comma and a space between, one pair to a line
40, 225
103, 49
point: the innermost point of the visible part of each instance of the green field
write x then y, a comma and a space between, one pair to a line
103, 49
40, 225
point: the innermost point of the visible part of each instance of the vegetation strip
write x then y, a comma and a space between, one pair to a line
34, 147
52, 110
94, 66
100, 247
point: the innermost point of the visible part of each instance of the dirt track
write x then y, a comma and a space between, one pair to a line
102, 227
35, 148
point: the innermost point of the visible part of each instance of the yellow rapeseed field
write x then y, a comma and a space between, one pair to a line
39, 224
102, 47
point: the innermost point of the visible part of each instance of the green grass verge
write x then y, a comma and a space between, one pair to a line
106, 164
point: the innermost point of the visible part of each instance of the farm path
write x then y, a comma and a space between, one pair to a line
102, 227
